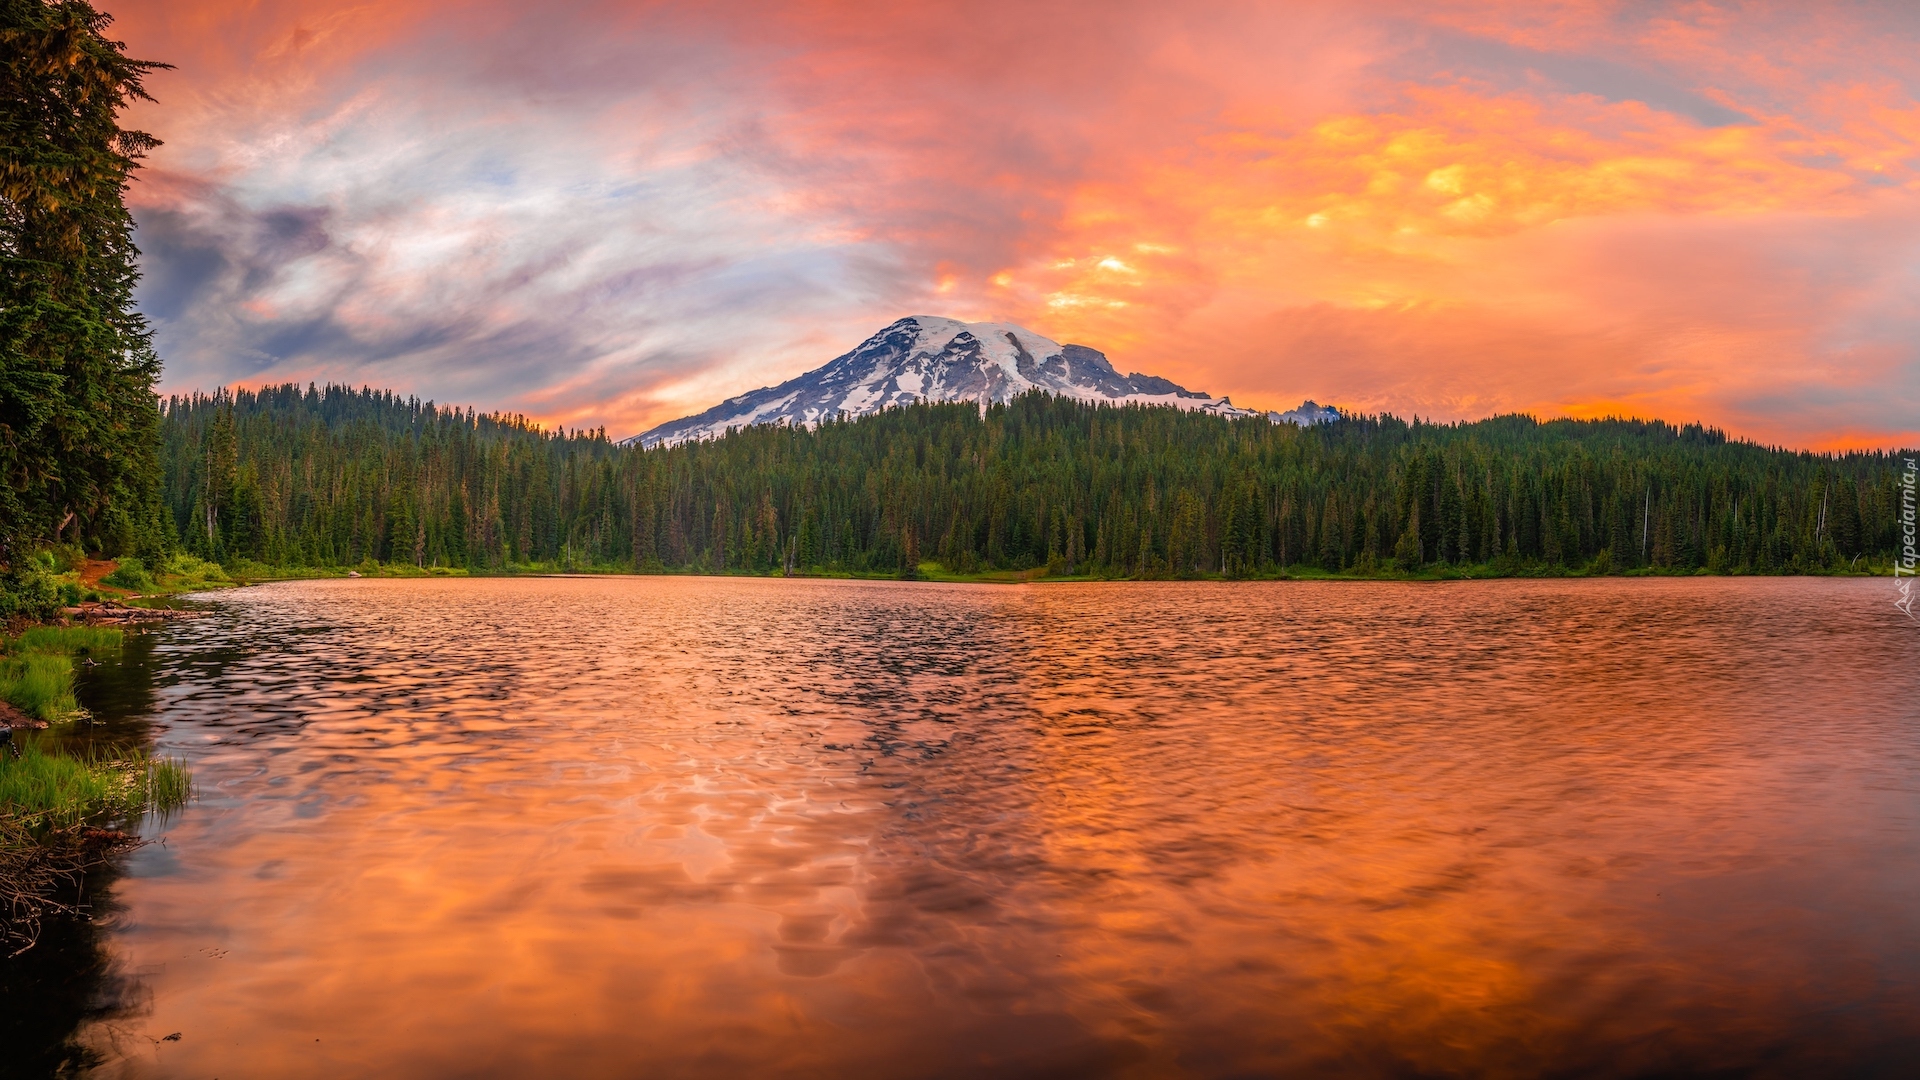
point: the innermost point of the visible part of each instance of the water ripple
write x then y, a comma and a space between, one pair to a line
699, 827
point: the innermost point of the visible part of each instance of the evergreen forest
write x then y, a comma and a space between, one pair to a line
335, 477
78, 418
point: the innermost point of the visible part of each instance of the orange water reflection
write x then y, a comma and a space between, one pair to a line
700, 827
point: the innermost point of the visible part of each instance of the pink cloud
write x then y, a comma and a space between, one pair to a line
618, 214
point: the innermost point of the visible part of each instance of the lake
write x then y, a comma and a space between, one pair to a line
699, 827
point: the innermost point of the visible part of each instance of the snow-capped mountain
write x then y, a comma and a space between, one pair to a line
929, 358
1307, 415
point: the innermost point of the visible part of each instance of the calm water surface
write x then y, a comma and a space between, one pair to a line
708, 827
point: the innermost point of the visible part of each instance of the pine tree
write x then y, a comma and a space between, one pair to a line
343, 474
78, 423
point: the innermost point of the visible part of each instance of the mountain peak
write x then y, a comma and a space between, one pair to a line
1307, 415
934, 358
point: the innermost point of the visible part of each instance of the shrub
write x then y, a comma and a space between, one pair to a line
131, 574
64, 558
28, 592
193, 570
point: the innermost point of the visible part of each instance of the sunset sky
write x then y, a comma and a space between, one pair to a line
621, 213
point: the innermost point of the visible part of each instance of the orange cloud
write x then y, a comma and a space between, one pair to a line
1688, 210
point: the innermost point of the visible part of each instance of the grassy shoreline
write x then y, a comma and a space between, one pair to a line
175, 585
129, 581
60, 811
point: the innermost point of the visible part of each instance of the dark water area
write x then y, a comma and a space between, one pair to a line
690, 827
70, 978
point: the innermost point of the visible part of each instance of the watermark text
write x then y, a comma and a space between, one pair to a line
1908, 560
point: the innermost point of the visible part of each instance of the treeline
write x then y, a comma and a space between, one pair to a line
332, 477
78, 423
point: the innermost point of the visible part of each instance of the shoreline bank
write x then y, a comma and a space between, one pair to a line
64, 812
935, 572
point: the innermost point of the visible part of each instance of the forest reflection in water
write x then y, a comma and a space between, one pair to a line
716, 827
69, 979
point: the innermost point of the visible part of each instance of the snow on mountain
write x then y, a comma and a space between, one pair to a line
929, 358
1307, 415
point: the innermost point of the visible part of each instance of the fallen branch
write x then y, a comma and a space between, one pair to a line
44, 876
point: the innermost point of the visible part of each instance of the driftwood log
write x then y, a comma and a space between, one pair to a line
114, 613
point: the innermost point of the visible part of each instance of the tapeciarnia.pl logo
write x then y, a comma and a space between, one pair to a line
1904, 565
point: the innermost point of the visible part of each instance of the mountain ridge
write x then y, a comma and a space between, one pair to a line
933, 358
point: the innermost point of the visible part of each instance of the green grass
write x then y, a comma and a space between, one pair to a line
69, 640
54, 791
36, 674
42, 790
45, 795
38, 684
933, 571
168, 783
57, 791
185, 573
